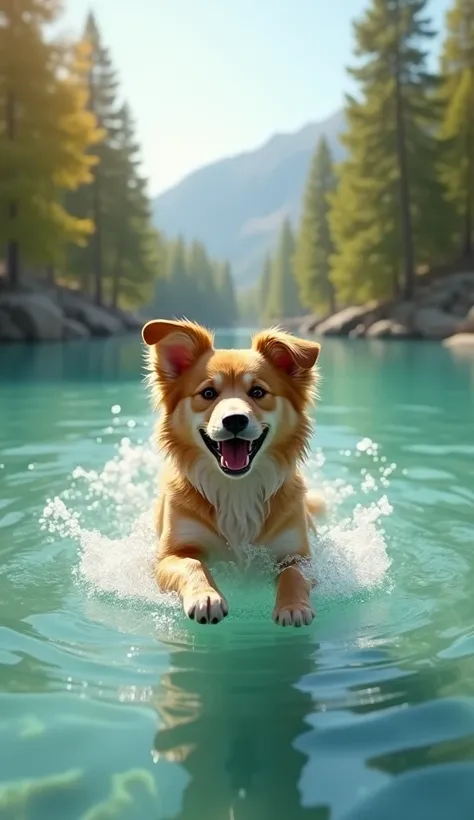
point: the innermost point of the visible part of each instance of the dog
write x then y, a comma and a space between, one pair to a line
234, 429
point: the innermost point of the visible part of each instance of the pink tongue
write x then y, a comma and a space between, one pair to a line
234, 454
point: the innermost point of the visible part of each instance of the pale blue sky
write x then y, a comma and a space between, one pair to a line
211, 78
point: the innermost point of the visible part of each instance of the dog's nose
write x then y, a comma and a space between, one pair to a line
235, 423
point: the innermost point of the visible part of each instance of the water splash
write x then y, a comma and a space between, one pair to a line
349, 554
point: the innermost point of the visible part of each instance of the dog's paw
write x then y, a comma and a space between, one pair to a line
206, 607
293, 615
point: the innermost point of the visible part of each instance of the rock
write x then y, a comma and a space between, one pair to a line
98, 320
439, 298
35, 315
357, 332
403, 313
74, 330
462, 307
460, 342
432, 323
129, 320
9, 331
341, 323
467, 326
386, 329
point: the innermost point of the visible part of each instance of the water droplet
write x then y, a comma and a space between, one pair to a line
31, 466
115, 409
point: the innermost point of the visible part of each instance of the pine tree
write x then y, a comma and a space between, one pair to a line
457, 94
131, 239
264, 288
314, 246
283, 301
97, 201
201, 286
227, 313
389, 213
44, 133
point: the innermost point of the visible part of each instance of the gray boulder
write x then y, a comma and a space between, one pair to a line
98, 320
432, 323
467, 325
75, 330
37, 317
9, 331
341, 323
129, 320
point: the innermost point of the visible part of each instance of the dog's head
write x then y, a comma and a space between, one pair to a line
231, 407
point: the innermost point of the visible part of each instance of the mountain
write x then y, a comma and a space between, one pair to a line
236, 205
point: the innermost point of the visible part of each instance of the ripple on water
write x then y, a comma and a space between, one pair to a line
97, 508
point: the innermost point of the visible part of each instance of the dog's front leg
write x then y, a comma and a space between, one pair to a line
293, 605
185, 573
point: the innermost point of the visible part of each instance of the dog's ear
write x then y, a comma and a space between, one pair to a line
286, 352
175, 346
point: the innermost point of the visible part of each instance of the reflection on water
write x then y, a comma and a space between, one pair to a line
233, 720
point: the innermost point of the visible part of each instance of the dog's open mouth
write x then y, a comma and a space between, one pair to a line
235, 455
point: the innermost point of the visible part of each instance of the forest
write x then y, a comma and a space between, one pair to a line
76, 209
401, 202
74, 203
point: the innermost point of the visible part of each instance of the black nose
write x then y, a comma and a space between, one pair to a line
235, 423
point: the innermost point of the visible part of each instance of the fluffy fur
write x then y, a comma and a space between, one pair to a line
234, 427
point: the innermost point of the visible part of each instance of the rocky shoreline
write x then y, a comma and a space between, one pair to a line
442, 310
46, 313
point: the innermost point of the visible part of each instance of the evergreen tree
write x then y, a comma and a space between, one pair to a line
248, 307
201, 289
264, 288
97, 201
389, 212
44, 133
192, 285
131, 238
314, 246
283, 300
457, 94
226, 302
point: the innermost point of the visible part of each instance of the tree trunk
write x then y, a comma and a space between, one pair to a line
96, 242
115, 286
50, 274
466, 247
331, 297
12, 249
404, 187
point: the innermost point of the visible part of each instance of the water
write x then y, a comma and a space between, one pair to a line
112, 705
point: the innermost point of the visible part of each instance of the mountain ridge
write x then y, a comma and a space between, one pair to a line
236, 205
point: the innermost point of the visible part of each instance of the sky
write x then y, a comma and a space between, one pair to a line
212, 78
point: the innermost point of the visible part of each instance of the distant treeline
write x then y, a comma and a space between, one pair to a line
402, 201
73, 201
192, 284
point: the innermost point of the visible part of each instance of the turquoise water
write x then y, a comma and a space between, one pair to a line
113, 706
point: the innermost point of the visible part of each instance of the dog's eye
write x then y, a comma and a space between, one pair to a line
209, 393
257, 392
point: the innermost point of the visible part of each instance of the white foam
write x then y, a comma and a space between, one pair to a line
109, 515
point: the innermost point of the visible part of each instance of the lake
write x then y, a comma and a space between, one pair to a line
114, 706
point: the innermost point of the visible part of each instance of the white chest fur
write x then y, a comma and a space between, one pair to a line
241, 504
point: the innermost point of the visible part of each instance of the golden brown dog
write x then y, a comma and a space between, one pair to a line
234, 427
